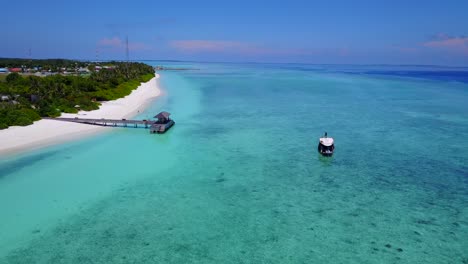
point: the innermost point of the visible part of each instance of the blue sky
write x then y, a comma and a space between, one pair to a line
351, 32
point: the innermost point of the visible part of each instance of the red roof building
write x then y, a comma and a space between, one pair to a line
15, 69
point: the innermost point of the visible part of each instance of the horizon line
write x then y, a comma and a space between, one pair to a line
246, 62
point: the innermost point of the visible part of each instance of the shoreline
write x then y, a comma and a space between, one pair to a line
44, 133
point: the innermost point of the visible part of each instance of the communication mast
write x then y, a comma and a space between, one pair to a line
127, 57
126, 49
97, 54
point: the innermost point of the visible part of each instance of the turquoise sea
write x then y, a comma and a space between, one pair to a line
239, 180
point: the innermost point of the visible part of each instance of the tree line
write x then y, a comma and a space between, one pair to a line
45, 64
25, 99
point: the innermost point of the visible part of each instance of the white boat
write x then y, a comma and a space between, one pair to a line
326, 145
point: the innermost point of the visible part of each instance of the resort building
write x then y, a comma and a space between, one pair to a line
15, 70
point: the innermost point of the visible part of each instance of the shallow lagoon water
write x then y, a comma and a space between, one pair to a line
238, 179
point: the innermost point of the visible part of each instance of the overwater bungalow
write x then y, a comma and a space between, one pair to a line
162, 124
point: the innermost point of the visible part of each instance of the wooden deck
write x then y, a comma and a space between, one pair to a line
107, 122
161, 125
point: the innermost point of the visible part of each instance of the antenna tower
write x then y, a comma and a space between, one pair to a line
97, 54
127, 55
126, 49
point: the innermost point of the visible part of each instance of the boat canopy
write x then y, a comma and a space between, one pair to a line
326, 141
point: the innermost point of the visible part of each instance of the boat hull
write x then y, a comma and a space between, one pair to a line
326, 151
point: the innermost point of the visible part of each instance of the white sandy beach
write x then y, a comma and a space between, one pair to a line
50, 132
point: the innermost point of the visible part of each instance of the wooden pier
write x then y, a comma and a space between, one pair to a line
161, 125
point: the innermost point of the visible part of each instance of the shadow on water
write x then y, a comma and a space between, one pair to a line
326, 161
9, 167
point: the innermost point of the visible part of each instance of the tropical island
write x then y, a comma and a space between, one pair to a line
31, 89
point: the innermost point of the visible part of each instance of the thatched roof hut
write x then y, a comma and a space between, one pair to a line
162, 116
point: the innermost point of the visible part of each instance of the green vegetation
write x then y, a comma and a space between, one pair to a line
26, 99
53, 65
